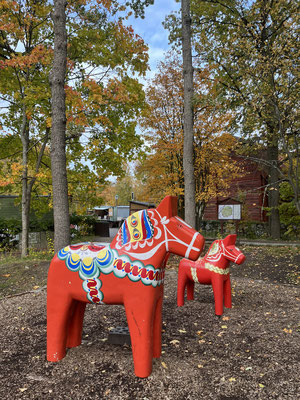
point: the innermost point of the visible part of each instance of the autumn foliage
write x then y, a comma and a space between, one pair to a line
162, 170
103, 98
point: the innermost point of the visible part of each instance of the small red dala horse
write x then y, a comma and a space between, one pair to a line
89, 273
212, 269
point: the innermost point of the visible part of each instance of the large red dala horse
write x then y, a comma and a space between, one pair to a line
88, 273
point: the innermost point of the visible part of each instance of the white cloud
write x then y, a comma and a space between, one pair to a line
156, 54
152, 31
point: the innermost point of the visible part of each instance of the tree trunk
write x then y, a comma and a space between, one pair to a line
273, 191
58, 134
25, 199
293, 155
188, 143
200, 207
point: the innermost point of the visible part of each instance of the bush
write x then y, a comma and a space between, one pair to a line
210, 228
82, 225
253, 230
289, 216
42, 224
247, 229
9, 229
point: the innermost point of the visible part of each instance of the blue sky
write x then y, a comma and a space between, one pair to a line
151, 30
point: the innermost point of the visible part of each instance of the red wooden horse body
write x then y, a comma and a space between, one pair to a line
88, 273
212, 269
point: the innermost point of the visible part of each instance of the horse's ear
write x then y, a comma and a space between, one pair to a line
229, 240
168, 206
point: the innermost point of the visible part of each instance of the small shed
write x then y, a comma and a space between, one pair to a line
115, 215
135, 206
120, 213
102, 212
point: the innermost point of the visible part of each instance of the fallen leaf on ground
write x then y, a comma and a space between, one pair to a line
287, 330
164, 365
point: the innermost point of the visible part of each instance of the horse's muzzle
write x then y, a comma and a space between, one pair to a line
240, 259
195, 247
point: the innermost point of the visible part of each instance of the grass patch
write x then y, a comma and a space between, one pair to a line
83, 239
15, 257
272, 251
22, 276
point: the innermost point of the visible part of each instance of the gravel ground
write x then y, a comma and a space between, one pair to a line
252, 352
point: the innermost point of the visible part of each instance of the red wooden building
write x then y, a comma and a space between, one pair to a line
248, 189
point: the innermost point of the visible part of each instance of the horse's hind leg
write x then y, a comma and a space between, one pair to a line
190, 289
157, 328
76, 324
227, 293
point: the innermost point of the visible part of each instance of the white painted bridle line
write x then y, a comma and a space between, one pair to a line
191, 245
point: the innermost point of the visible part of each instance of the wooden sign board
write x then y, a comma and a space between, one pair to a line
229, 211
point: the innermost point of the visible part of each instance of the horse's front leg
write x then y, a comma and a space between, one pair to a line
181, 283
217, 285
140, 315
58, 320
